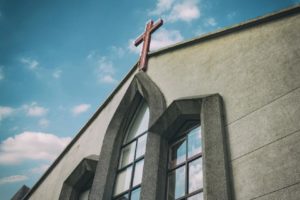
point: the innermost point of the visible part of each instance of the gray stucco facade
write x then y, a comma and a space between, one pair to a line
246, 80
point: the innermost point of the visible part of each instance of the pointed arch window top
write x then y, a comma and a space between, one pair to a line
139, 123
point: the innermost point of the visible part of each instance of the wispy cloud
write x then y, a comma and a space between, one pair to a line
44, 123
81, 108
1, 73
210, 22
105, 71
31, 63
108, 79
132, 48
5, 111
162, 38
31, 146
40, 169
34, 110
173, 11
12, 179
104, 68
162, 6
57, 73
119, 51
231, 15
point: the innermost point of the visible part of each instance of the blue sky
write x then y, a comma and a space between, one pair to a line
59, 60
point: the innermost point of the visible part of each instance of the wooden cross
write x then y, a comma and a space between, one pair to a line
146, 37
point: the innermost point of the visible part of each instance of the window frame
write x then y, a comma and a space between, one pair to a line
183, 135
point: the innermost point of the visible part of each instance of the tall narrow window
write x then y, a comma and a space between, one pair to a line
131, 162
185, 177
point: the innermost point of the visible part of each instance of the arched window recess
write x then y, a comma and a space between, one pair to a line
119, 173
194, 160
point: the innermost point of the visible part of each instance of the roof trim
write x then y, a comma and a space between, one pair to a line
241, 26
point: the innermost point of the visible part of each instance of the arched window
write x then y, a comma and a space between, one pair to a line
120, 172
131, 162
185, 176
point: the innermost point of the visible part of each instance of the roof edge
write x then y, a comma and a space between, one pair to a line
241, 26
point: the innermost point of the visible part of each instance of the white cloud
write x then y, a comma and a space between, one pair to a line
104, 68
165, 37
107, 79
173, 11
32, 64
44, 123
210, 22
81, 108
1, 73
185, 11
57, 73
133, 48
12, 179
5, 112
31, 146
40, 169
162, 6
34, 110
105, 71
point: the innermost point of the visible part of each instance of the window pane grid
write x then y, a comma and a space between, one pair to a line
132, 152
127, 192
132, 164
193, 154
134, 139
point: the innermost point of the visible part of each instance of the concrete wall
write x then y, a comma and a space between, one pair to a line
257, 72
89, 143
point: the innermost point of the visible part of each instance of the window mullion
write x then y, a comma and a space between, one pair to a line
133, 170
186, 167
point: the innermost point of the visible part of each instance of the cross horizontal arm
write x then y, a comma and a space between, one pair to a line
158, 24
139, 40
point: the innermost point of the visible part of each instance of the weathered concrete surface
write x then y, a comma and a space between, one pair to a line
288, 193
273, 167
248, 68
89, 143
270, 123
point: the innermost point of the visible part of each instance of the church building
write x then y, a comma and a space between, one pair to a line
212, 118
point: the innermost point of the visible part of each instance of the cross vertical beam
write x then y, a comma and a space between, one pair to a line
146, 38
